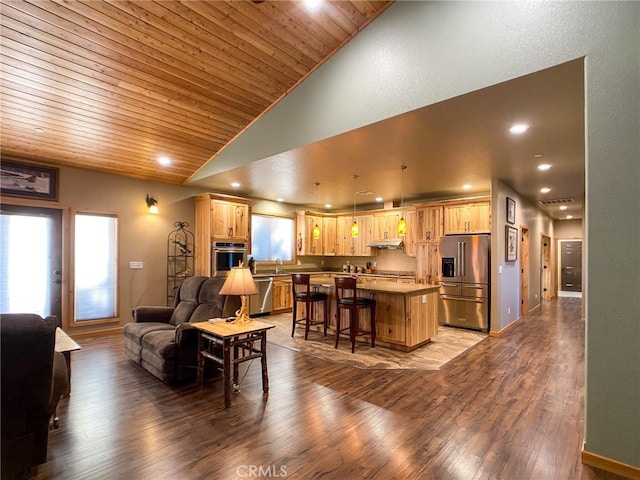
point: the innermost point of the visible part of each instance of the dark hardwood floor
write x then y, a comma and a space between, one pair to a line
510, 408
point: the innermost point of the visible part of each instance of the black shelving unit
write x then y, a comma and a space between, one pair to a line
180, 255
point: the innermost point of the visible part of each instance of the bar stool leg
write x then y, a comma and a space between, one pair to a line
293, 328
326, 316
338, 326
309, 308
373, 326
353, 318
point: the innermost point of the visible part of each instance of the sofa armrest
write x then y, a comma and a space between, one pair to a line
152, 314
187, 342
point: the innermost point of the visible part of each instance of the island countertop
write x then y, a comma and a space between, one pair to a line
384, 287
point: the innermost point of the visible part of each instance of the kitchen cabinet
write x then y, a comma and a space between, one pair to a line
282, 296
385, 225
428, 224
221, 218
467, 218
305, 243
346, 245
229, 220
328, 235
410, 238
427, 262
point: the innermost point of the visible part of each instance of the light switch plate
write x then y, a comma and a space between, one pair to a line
136, 265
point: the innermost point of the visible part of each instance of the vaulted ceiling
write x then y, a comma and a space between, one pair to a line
113, 85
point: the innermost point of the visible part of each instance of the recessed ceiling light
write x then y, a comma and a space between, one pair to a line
537, 155
379, 199
235, 184
280, 199
519, 128
466, 186
164, 160
543, 167
312, 4
569, 217
545, 190
563, 207
38, 130
328, 205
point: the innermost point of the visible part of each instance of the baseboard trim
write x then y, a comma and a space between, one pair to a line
96, 333
610, 465
501, 333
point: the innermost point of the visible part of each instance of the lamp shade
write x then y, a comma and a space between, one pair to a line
239, 282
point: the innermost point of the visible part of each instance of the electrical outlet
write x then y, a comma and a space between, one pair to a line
375, 264
508, 310
136, 265
424, 299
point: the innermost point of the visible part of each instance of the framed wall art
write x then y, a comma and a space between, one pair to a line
511, 211
511, 243
28, 180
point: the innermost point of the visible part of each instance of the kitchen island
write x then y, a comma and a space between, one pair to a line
406, 313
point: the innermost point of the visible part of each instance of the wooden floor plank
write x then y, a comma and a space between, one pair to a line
510, 408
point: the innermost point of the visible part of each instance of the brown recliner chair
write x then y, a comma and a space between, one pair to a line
34, 377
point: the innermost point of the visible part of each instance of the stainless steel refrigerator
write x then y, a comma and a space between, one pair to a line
464, 286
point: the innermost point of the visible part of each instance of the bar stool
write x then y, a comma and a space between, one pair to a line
347, 298
302, 292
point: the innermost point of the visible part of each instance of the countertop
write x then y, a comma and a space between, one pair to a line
383, 287
317, 273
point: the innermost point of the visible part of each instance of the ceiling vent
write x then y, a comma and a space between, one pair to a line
557, 201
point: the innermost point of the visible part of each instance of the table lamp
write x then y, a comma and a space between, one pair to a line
240, 282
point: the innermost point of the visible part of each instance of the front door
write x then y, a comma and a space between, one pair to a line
31, 260
571, 266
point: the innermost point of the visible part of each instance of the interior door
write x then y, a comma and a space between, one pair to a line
571, 266
31, 260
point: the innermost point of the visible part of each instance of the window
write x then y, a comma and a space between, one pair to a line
271, 238
96, 266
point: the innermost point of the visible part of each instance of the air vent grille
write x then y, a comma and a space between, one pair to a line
557, 201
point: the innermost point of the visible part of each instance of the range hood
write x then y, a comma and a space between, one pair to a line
395, 243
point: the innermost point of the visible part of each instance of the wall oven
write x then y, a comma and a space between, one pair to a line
225, 255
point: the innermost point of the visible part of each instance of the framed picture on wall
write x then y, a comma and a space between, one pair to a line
511, 244
511, 211
28, 180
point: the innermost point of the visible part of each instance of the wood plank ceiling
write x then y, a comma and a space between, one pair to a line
111, 85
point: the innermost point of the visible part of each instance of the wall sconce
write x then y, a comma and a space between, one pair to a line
152, 205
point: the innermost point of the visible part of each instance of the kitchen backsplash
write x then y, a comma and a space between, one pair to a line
386, 260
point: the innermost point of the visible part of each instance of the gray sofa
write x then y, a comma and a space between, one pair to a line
161, 339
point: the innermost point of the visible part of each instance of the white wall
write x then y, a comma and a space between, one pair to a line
568, 229
418, 53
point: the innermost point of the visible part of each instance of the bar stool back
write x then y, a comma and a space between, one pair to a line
302, 292
347, 298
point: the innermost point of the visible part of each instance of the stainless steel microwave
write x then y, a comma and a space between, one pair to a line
225, 255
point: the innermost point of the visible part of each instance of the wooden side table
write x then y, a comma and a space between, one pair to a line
243, 338
65, 345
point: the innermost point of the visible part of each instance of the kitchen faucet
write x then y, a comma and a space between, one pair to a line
278, 262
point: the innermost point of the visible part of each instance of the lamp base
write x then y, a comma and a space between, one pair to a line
242, 315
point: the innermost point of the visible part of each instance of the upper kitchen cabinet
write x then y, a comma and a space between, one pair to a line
219, 217
474, 217
229, 220
346, 245
428, 224
411, 237
385, 225
306, 244
328, 234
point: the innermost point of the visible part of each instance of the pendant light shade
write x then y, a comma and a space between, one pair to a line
355, 230
402, 224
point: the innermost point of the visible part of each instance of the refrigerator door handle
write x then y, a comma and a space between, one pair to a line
462, 247
462, 299
449, 284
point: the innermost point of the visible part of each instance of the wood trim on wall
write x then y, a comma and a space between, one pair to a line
610, 465
502, 332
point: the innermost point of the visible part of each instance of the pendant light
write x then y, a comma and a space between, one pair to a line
402, 224
354, 226
316, 227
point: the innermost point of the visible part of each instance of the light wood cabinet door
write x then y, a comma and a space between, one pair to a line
343, 236
410, 238
391, 318
329, 236
314, 245
220, 219
365, 224
385, 226
229, 220
428, 263
468, 218
282, 296
428, 224
239, 220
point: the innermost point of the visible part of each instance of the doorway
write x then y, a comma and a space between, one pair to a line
524, 271
546, 277
31, 260
570, 268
